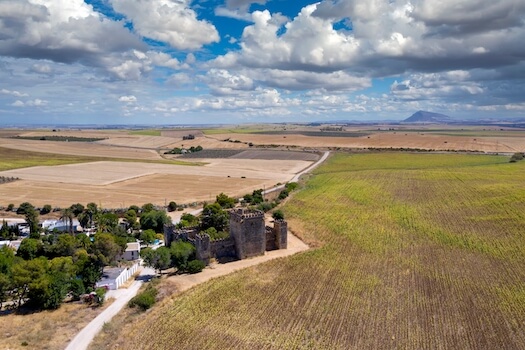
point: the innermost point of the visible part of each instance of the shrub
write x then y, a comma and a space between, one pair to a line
145, 299
77, 288
10, 207
291, 186
196, 266
265, 206
516, 157
278, 215
46, 209
172, 206
101, 295
283, 194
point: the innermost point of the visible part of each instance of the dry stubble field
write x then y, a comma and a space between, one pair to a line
416, 251
114, 184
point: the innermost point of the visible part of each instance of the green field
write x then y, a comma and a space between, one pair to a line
15, 159
414, 251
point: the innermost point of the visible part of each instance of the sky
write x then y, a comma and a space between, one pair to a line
172, 62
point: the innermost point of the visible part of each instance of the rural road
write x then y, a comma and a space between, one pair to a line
301, 173
122, 296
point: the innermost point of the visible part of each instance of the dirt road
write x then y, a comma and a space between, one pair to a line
184, 282
122, 296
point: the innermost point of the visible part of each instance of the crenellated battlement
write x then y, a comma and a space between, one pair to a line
249, 236
243, 214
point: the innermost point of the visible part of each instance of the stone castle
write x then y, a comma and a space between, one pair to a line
249, 236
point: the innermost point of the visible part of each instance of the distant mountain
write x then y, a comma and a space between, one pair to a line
428, 117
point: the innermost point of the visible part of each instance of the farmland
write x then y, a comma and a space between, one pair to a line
414, 251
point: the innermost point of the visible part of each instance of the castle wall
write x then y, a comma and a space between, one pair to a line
270, 239
223, 248
248, 237
203, 248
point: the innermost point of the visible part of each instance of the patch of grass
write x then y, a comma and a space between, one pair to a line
14, 159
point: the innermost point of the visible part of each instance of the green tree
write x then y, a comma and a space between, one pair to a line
148, 236
27, 276
66, 245
195, 266
31, 217
154, 220
146, 208
83, 241
7, 260
89, 269
159, 259
77, 209
181, 253
224, 201
188, 220
107, 222
130, 218
214, 216
77, 288
67, 217
30, 248
84, 219
107, 248
5, 233
92, 211
172, 206
46, 209
49, 291
214, 234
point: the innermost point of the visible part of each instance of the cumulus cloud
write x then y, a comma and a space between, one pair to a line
386, 38
238, 9
222, 82
30, 103
128, 99
70, 31
41, 68
455, 85
60, 30
13, 93
172, 22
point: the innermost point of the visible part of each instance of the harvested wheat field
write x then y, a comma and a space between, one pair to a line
388, 140
120, 184
415, 251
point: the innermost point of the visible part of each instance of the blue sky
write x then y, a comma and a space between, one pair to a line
249, 61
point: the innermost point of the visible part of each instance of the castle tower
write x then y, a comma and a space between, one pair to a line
280, 227
202, 247
248, 231
168, 234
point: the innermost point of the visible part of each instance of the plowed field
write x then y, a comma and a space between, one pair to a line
415, 252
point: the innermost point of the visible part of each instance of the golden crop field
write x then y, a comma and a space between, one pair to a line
415, 251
